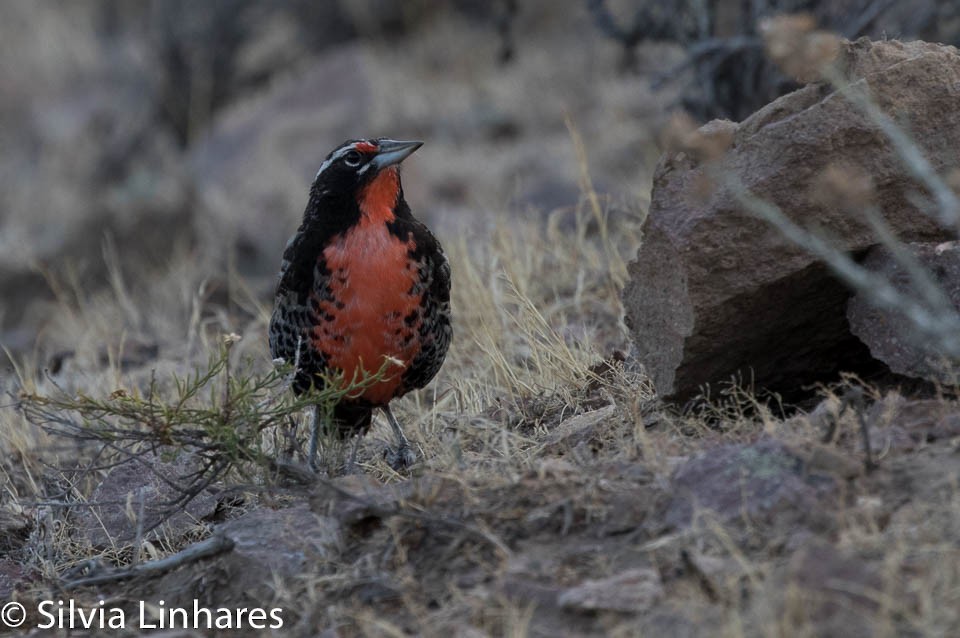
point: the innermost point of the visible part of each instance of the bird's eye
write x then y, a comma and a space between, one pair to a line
352, 158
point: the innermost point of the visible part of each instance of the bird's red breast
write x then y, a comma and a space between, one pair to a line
373, 313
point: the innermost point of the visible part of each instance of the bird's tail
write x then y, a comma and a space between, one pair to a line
351, 419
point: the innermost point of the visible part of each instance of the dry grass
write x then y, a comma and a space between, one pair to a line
536, 308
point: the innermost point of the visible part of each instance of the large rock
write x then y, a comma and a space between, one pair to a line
891, 336
714, 291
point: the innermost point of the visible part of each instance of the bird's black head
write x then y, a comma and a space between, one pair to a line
358, 182
358, 179
355, 164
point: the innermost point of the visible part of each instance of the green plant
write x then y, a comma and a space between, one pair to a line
222, 416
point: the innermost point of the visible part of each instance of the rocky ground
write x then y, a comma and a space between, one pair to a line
155, 165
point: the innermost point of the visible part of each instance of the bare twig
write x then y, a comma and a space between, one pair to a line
138, 537
651, 21
212, 546
504, 19
853, 400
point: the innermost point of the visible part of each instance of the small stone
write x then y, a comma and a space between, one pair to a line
282, 541
578, 429
634, 590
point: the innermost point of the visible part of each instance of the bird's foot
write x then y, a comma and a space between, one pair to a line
400, 458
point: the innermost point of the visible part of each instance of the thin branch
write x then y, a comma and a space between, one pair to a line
212, 546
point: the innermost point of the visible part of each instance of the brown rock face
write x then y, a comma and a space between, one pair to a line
765, 481
111, 520
889, 335
715, 292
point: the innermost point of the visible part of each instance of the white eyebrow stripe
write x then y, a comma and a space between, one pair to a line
333, 158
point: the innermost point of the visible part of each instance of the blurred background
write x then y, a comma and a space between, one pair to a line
162, 151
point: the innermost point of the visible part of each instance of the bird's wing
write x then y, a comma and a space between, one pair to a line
435, 328
299, 287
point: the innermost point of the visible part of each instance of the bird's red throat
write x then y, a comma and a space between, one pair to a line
378, 198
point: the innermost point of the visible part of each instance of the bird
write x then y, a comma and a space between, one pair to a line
364, 288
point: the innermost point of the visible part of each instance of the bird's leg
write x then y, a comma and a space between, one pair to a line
351, 467
403, 456
290, 435
314, 436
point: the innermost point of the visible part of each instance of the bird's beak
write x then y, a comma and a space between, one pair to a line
393, 152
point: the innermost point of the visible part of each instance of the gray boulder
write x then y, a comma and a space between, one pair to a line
890, 336
714, 292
